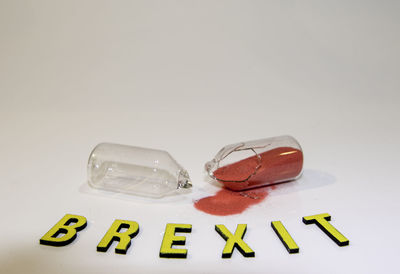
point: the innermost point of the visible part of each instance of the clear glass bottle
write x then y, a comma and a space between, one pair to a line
257, 163
135, 170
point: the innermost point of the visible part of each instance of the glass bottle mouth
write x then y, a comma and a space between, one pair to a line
184, 180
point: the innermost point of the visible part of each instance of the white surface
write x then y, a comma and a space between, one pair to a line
190, 77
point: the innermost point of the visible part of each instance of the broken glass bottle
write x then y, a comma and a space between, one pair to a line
257, 163
136, 170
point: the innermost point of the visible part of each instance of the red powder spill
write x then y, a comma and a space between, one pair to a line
227, 202
277, 165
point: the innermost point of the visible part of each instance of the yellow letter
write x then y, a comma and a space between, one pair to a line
170, 239
285, 237
64, 226
233, 241
124, 238
321, 220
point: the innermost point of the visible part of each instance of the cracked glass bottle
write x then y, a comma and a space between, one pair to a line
257, 163
136, 170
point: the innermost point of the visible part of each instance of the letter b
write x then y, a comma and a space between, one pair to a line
64, 226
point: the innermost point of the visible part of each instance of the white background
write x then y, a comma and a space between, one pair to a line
190, 77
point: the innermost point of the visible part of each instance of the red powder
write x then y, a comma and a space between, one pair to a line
227, 202
277, 165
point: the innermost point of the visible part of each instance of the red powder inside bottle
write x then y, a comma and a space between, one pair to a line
276, 165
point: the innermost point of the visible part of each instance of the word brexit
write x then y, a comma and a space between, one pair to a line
65, 231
